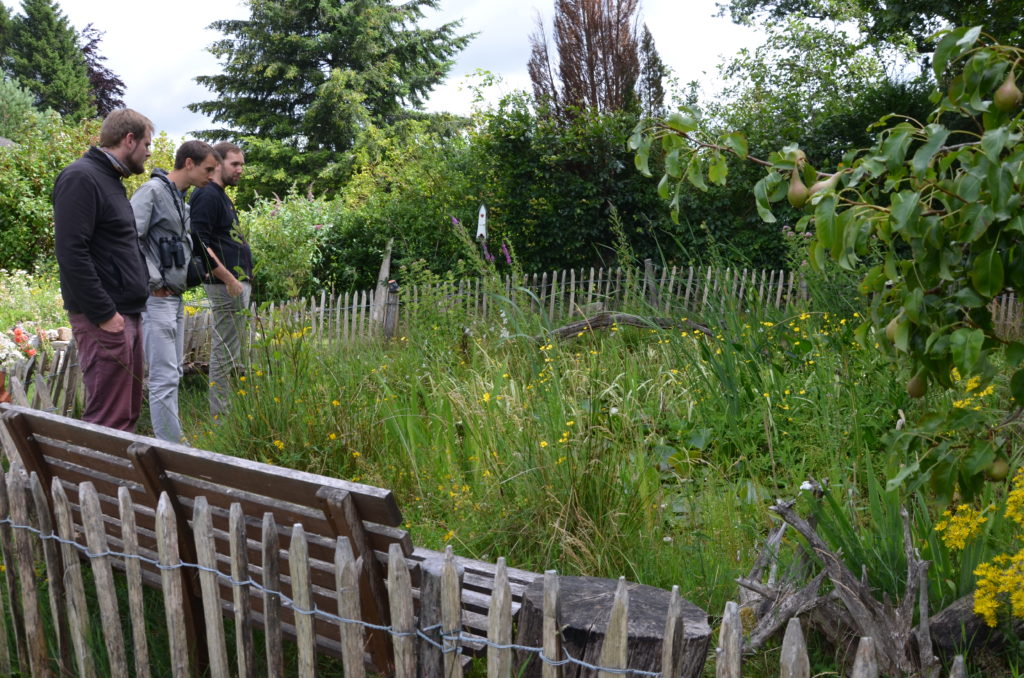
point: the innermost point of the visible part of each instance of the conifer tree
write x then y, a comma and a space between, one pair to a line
45, 59
302, 77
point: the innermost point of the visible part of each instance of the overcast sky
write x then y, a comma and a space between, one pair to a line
158, 48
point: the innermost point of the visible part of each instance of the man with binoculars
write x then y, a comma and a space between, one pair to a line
176, 260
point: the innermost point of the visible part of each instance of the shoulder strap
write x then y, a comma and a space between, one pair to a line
176, 199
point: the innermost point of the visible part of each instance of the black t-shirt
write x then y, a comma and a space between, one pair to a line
215, 221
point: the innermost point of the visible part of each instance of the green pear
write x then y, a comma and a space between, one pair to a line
826, 184
918, 384
1007, 98
798, 192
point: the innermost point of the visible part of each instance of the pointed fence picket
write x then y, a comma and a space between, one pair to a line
30, 537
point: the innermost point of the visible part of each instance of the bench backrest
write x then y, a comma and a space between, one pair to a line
72, 451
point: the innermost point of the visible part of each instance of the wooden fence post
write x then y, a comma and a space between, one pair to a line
96, 537
202, 530
302, 601
730, 643
21, 563
499, 625
671, 650
865, 663
391, 311
430, 657
347, 582
54, 572
650, 284
240, 592
451, 614
402, 621
552, 633
793, 661
133, 576
172, 585
615, 648
78, 613
271, 597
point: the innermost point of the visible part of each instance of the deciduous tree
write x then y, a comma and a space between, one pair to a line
106, 88
895, 20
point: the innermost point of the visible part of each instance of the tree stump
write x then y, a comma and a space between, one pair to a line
584, 609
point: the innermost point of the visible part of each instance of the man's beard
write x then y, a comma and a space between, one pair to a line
134, 166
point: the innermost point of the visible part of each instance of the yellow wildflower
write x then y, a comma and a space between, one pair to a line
960, 527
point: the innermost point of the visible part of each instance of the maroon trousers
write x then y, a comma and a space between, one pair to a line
112, 371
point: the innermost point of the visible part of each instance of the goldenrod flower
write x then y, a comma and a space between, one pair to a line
960, 527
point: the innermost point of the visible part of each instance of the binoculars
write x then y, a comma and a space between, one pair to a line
172, 253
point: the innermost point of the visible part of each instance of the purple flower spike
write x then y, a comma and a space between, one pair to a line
504, 250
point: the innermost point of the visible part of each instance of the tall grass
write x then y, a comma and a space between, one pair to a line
645, 452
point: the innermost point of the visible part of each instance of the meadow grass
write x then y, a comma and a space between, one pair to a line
640, 452
645, 452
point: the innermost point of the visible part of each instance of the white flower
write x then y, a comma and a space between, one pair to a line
806, 485
10, 354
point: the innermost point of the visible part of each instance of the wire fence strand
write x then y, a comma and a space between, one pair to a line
451, 643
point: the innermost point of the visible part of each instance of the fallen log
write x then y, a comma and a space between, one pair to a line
608, 319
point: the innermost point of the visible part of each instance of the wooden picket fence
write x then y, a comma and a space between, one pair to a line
28, 536
698, 291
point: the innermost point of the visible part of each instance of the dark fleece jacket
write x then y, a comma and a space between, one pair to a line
102, 269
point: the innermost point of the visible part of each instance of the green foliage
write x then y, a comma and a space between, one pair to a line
286, 237
934, 214
628, 451
31, 297
17, 110
45, 59
894, 21
302, 78
944, 217
549, 186
804, 82
27, 173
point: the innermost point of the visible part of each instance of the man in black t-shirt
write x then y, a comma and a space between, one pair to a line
215, 221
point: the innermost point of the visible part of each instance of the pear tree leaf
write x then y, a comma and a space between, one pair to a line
718, 169
937, 135
695, 172
737, 142
764, 209
966, 347
987, 273
683, 121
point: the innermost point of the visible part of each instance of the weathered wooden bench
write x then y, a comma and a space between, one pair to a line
74, 452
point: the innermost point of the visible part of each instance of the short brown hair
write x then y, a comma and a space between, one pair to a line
122, 122
225, 147
195, 149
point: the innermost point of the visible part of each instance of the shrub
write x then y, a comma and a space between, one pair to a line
27, 174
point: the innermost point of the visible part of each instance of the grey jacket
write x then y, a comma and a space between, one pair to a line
161, 213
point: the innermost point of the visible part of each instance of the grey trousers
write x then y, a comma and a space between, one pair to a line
163, 338
228, 342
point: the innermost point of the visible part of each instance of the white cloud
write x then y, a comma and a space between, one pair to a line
158, 49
